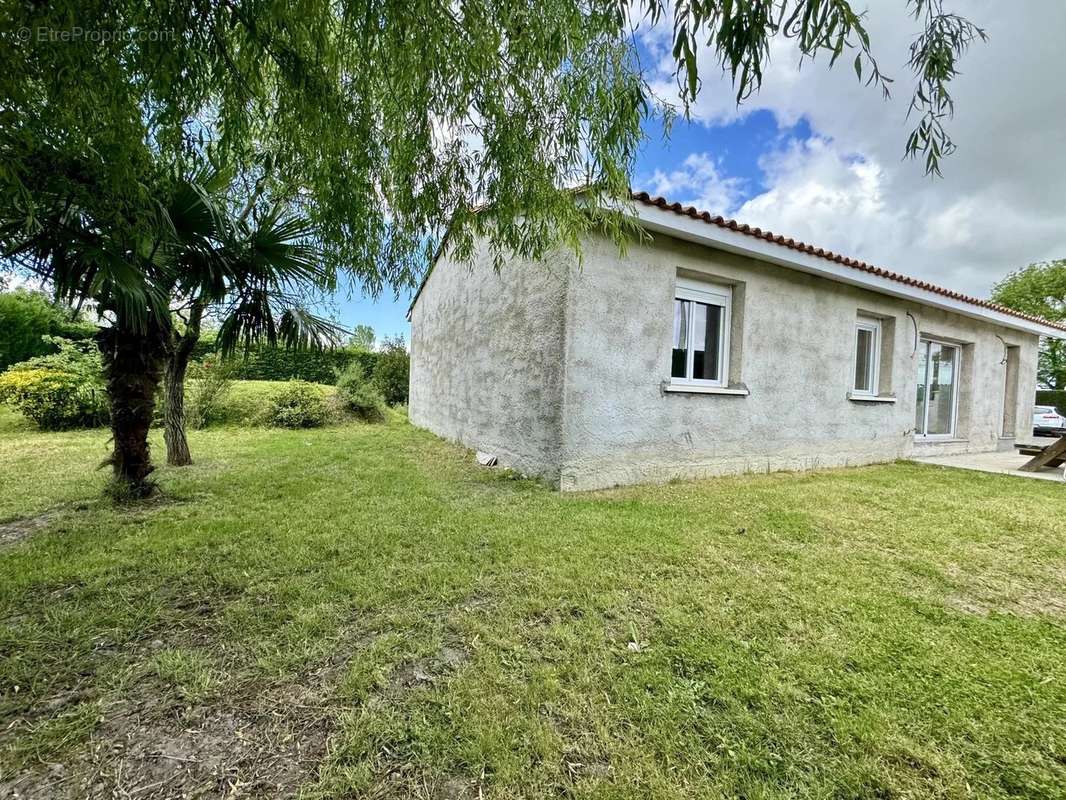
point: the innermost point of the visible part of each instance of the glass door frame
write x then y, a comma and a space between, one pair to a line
926, 342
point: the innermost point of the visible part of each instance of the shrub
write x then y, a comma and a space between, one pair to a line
62, 390
392, 373
52, 399
79, 358
356, 393
299, 405
212, 381
28, 323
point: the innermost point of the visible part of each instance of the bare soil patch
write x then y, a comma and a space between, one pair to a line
266, 747
17, 530
264, 742
427, 670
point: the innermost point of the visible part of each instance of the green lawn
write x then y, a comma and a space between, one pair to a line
360, 611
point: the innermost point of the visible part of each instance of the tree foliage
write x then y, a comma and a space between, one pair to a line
27, 318
362, 338
250, 269
392, 372
386, 122
253, 264
1040, 289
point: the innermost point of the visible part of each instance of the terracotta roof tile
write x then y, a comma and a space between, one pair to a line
792, 244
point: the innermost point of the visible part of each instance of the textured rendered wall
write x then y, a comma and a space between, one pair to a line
795, 357
487, 358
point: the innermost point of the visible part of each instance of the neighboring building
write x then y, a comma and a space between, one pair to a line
713, 348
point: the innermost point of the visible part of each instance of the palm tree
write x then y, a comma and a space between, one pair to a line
255, 267
252, 268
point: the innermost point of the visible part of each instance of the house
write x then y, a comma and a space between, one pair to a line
711, 348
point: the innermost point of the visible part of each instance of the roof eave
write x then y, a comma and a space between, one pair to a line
695, 230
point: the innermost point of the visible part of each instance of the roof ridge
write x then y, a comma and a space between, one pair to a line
794, 244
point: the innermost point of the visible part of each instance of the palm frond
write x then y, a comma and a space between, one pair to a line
255, 268
276, 319
281, 251
299, 328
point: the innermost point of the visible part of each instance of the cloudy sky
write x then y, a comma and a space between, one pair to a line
818, 156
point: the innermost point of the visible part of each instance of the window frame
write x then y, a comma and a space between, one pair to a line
873, 326
926, 343
713, 294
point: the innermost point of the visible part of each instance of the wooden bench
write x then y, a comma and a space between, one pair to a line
1053, 455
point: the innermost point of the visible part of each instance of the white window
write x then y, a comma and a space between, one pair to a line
867, 356
701, 334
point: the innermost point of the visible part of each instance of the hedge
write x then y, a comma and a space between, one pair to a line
1050, 397
265, 363
26, 318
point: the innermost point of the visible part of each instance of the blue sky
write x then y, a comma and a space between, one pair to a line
386, 315
739, 145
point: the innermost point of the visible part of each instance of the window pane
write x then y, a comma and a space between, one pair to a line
943, 371
707, 342
680, 352
864, 360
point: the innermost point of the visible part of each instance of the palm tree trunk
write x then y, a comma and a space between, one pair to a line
180, 351
178, 454
133, 364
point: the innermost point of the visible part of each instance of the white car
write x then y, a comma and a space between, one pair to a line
1048, 422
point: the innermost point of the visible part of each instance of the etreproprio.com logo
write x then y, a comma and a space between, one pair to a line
44, 34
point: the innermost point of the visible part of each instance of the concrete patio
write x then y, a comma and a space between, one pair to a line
1005, 463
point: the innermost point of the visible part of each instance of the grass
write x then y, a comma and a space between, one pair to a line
360, 611
247, 403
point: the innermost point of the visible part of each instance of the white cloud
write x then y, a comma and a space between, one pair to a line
814, 188
1001, 202
698, 181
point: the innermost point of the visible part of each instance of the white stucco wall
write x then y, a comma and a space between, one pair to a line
558, 369
487, 358
793, 348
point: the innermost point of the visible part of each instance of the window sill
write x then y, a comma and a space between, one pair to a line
684, 388
871, 398
920, 440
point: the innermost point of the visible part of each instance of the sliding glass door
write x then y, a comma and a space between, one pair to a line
938, 389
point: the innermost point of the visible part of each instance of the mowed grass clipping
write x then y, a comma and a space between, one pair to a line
360, 611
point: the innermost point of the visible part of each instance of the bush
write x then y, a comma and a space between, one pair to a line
211, 382
359, 395
62, 390
392, 373
29, 322
299, 405
54, 400
247, 404
79, 358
